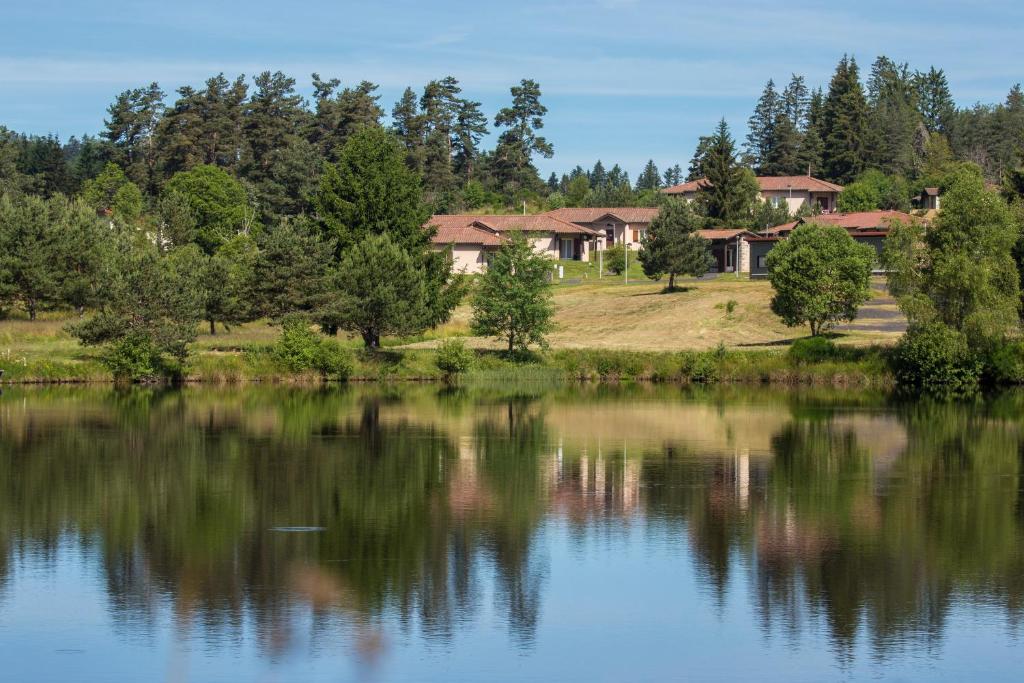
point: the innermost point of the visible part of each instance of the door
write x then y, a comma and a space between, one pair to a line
566, 248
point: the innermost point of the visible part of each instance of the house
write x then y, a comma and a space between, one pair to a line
729, 247
473, 237
618, 225
929, 199
867, 227
790, 191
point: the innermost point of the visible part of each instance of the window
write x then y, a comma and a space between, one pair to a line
762, 262
636, 235
780, 200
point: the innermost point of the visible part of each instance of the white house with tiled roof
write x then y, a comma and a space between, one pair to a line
472, 237
790, 191
618, 225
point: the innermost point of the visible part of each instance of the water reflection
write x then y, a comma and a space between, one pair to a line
361, 518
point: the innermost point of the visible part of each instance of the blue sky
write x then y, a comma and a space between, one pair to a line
624, 80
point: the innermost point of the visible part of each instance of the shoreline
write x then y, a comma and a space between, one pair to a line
863, 367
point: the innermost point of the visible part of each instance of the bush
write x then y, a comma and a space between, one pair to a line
936, 359
730, 306
453, 358
615, 259
813, 350
133, 358
702, 367
1004, 364
300, 349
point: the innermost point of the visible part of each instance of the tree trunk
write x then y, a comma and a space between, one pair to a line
31, 312
511, 343
371, 339
213, 327
671, 281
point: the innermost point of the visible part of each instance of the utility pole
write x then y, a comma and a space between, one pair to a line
625, 243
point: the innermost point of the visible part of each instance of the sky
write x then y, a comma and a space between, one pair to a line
624, 80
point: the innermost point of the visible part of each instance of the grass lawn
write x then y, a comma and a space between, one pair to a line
591, 313
607, 313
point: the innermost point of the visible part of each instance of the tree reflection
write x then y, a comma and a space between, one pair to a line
415, 507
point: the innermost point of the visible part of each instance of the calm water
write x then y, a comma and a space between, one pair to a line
590, 534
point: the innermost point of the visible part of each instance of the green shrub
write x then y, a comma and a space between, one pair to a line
730, 306
701, 367
300, 349
133, 358
1005, 363
811, 350
333, 361
453, 358
615, 259
936, 359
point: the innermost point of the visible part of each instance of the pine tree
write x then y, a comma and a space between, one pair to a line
513, 158
761, 138
934, 101
893, 117
844, 124
340, 113
696, 169
796, 101
470, 128
370, 191
131, 129
408, 126
673, 245
649, 179
811, 144
673, 176
725, 196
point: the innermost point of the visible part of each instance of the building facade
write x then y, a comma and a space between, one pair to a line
793, 192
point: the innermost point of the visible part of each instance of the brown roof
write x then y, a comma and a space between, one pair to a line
466, 234
497, 224
851, 221
625, 214
722, 233
767, 184
931, 191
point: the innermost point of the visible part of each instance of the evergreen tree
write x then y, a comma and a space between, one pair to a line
796, 102
673, 176
470, 128
408, 127
370, 191
513, 158
30, 249
808, 160
893, 117
275, 117
340, 113
725, 196
844, 124
761, 139
696, 169
673, 245
513, 299
934, 101
134, 117
649, 179
379, 288
291, 272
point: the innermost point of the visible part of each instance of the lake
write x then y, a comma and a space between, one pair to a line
414, 533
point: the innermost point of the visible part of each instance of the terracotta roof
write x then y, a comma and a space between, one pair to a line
722, 233
494, 223
931, 191
688, 186
851, 221
466, 234
767, 184
625, 214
